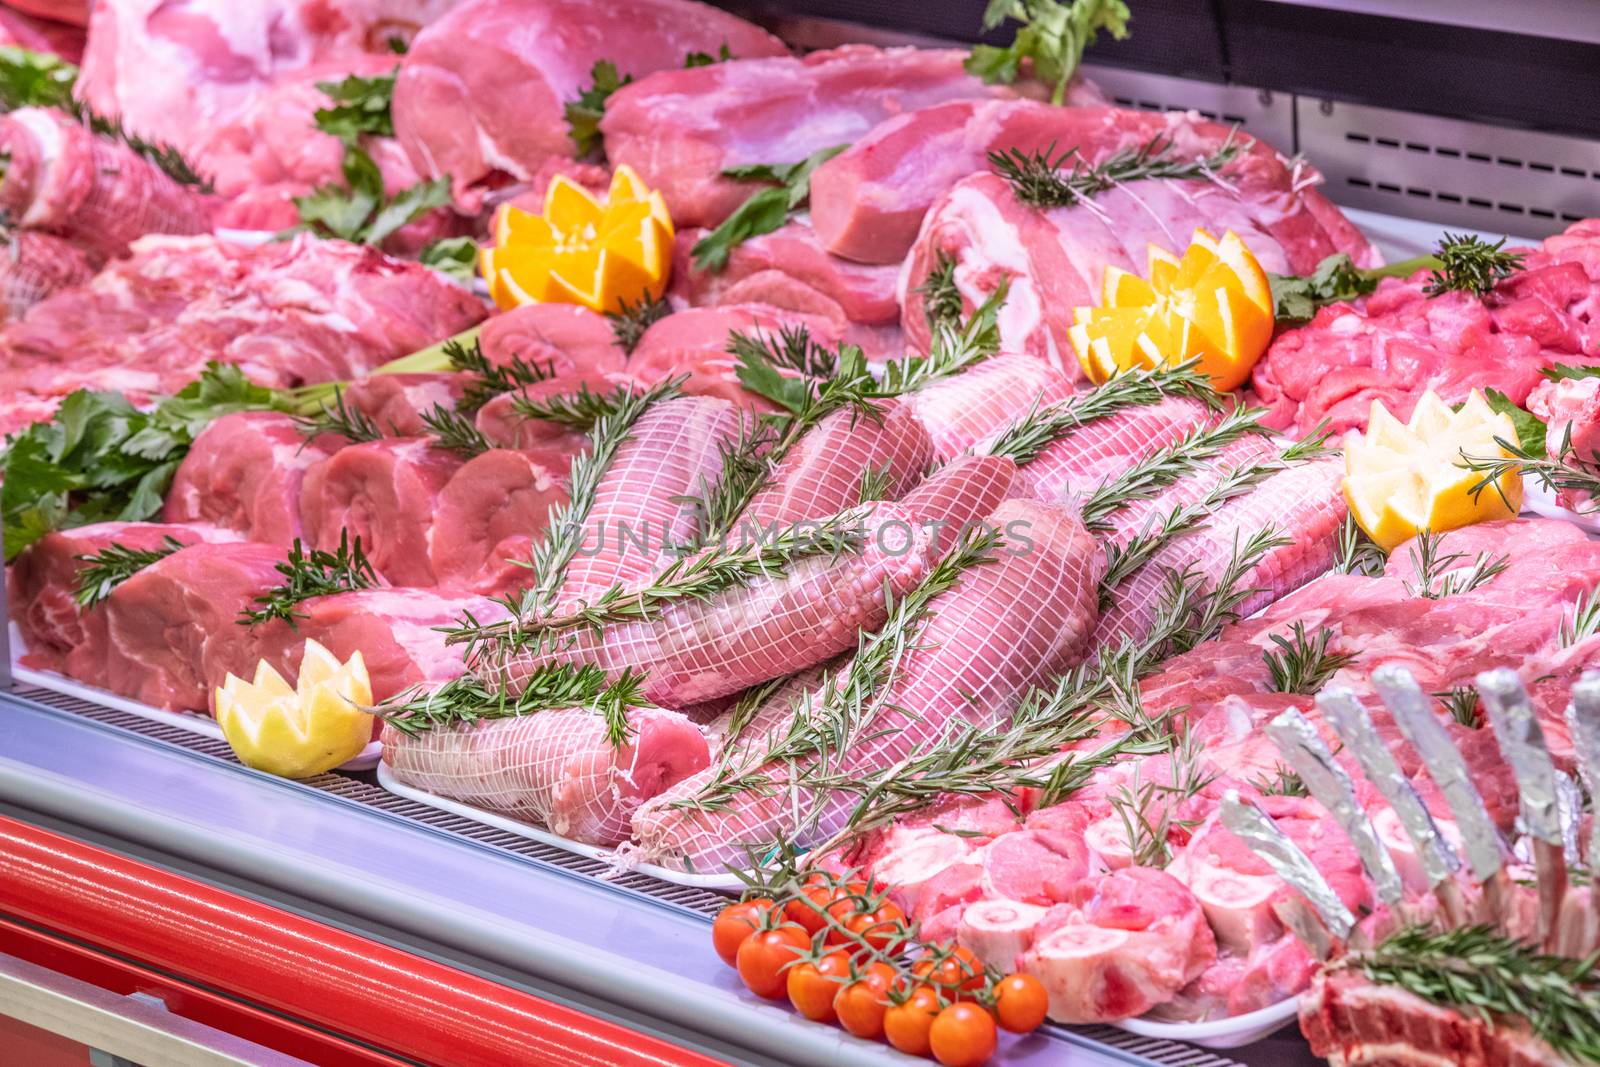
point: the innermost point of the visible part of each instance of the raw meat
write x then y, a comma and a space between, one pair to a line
1570, 409
961, 495
1129, 941
1098, 451
38, 264
551, 443
396, 402
175, 72
556, 339
555, 768
288, 313
869, 201
788, 268
395, 630
244, 471
64, 179
977, 654
388, 494
42, 581
46, 26
481, 92
487, 519
1397, 343
163, 633
680, 129
974, 405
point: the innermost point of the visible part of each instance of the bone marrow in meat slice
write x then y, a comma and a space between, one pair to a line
556, 339
999, 931
386, 493
245, 471
555, 768
1334, 367
161, 634
65, 179
973, 406
488, 517
36, 265
1133, 940
481, 93
1004, 626
680, 129
43, 580
869, 201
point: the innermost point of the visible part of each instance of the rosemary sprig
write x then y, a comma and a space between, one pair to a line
1356, 553
312, 574
486, 380
1462, 704
941, 299
790, 349
874, 483
1482, 971
556, 549
114, 564
1585, 620
1439, 576
353, 424
1042, 427
579, 409
1147, 810
455, 432
468, 700
1558, 470
1471, 265
630, 321
1043, 180
1285, 783
826, 725
1302, 663
953, 348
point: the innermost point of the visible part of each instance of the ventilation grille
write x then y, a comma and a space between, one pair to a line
1260, 112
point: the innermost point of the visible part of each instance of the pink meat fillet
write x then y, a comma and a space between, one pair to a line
51, 26
868, 202
244, 472
555, 768
176, 73
974, 405
164, 633
788, 268
550, 443
42, 581
680, 129
976, 656
1303, 504
395, 630
822, 474
396, 402
1398, 343
388, 494
673, 451
555, 339
67, 180
481, 94
287, 313
488, 517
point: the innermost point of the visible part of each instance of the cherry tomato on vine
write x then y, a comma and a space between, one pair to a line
735, 923
962, 1036
819, 892
1020, 1003
847, 901
956, 973
765, 957
882, 928
813, 984
861, 1005
907, 1025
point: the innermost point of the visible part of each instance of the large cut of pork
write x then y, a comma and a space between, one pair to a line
244, 471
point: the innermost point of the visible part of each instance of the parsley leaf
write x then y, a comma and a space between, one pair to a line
765, 210
1053, 35
1530, 430
360, 106
455, 256
584, 114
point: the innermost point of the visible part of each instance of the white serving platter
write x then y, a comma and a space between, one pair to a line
1234, 1032
615, 857
193, 722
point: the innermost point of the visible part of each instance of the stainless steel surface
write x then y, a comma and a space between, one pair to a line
1567, 20
1260, 112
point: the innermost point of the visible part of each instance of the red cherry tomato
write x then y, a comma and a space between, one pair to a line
735, 923
962, 1036
1021, 1003
861, 1005
810, 902
907, 1025
813, 985
883, 928
956, 973
766, 956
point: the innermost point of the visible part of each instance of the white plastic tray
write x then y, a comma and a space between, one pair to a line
1540, 501
1233, 1032
613, 856
191, 721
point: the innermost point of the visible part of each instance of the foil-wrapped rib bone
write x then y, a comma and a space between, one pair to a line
1413, 713
1256, 828
1583, 722
1354, 726
1297, 739
1516, 728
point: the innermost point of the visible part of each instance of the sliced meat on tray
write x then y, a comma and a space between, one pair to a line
388, 495
42, 582
556, 768
481, 93
65, 179
680, 129
172, 631
488, 517
245, 471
